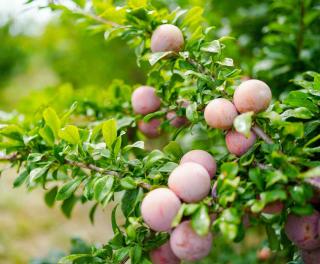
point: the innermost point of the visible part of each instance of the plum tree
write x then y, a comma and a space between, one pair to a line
164, 255
238, 144
150, 129
310, 256
252, 95
167, 37
273, 208
186, 244
303, 231
203, 158
159, 207
190, 181
175, 120
220, 113
144, 100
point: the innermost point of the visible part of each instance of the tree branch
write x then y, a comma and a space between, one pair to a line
261, 134
10, 157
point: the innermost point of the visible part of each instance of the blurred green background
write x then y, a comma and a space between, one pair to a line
42, 53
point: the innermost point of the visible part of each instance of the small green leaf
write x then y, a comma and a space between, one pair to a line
109, 132
68, 189
52, 120
103, 187
50, 196
212, 47
21, 179
242, 123
173, 149
201, 221
68, 205
128, 183
70, 134
71, 258
155, 57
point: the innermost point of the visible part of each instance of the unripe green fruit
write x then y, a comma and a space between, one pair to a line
203, 158
187, 245
164, 255
190, 181
144, 100
159, 207
220, 113
238, 144
167, 38
252, 95
150, 129
304, 231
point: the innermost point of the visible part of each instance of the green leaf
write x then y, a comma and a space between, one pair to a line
273, 240
47, 135
191, 112
168, 167
243, 122
137, 3
68, 205
21, 179
155, 57
201, 221
50, 196
109, 132
70, 134
103, 187
68, 189
136, 254
71, 258
212, 47
128, 183
230, 169
37, 173
130, 200
300, 112
173, 149
52, 120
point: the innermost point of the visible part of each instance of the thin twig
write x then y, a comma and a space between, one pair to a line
9, 157
261, 134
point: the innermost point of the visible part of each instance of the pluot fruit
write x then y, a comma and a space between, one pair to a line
167, 37
190, 181
252, 95
186, 244
144, 100
311, 256
150, 129
220, 113
238, 144
164, 255
159, 207
203, 158
175, 120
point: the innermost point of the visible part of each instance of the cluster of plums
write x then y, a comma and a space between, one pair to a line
189, 182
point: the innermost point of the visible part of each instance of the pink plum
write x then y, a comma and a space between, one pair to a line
144, 100
252, 95
238, 144
311, 256
150, 129
159, 207
190, 181
186, 244
273, 208
176, 121
203, 158
303, 231
220, 113
164, 255
167, 38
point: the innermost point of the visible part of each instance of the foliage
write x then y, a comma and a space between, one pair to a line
91, 150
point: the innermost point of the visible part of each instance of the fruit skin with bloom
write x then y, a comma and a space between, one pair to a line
273, 208
150, 129
310, 256
238, 144
175, 120
220, 113
144, 100
304, 231
164, 255
190, 182
187, 245
167, 37
252, 95
203, 158
159, 207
